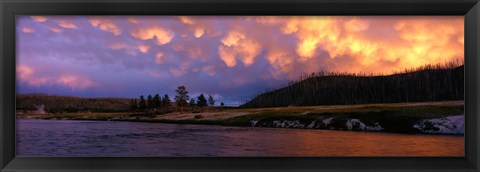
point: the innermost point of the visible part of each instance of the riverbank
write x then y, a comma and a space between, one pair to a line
424, 117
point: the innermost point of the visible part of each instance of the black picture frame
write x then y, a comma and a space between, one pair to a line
468, 8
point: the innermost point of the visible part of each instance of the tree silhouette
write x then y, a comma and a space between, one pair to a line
133, 104
149, 102
182, 96
192, 102
157, 101
211, 102
142, 105
201, 101
427, 83
166, 102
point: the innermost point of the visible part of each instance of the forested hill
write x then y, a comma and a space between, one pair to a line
428, 83
56, 104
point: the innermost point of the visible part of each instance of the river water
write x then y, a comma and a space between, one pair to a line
127, 139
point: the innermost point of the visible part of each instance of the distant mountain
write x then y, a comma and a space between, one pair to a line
58, 104
428, 83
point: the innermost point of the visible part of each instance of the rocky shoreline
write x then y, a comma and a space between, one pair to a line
447, 125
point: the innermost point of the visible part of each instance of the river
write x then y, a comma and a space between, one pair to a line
69, 138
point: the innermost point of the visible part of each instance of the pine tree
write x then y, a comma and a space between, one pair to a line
166, 102
192, 102
149, 102
182, 96
211, 102
201, 101
133, 104
142, 105
157, 101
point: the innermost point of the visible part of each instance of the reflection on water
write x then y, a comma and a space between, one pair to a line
107, 138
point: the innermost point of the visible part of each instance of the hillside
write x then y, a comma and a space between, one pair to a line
57, 104
428, 83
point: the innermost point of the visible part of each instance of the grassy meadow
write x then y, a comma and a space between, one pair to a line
395, 117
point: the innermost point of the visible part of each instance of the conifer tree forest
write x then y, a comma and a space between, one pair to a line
427, 83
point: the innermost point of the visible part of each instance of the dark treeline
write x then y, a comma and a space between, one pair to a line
163, 104
67, 104
427, 83
28, 103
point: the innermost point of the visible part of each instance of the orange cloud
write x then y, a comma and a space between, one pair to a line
267, 20
27, 29
161, 35
282, 63
106, 25
237, 45
28, 75
159, 57
132, 20
143, 48
227, 57
67, 24
75, 82
460, 39
40, 19
232, 38
54, 29
131, 50
186, 20
199, 32
373, 44
312, 32
355, 25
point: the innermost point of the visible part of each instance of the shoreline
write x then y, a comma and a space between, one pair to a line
210, 124
445, 118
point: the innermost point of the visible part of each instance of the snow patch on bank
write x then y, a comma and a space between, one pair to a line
356, 124
254, 122
288, 124
326, 123
448, 125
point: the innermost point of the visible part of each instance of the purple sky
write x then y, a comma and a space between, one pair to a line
231, 58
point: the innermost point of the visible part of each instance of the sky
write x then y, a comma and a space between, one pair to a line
232, 58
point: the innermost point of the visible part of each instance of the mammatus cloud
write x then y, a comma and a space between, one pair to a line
401, 42
106, 25
129, 49
55, 29
40, 19
186, 20
27, 75
132, 20
27, 29
67, 24
233, 56
237, 46
159, 57
75, 82
281, 62
143, 48
161, 35
199, 32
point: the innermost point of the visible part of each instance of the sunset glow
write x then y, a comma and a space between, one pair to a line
231, 57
